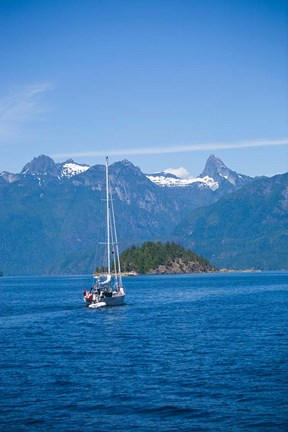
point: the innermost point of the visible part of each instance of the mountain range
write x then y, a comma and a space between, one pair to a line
51, 215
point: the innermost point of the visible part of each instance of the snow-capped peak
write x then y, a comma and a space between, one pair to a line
217, 170
70, 169
214, 175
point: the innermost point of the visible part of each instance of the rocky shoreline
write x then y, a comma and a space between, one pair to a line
180, 267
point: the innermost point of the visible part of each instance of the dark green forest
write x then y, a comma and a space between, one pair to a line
151, 255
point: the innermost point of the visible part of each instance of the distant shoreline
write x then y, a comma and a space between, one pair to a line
224, 270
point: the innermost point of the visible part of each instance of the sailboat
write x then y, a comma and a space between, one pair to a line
107, 288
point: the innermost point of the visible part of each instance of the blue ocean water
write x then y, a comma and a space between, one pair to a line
186, 353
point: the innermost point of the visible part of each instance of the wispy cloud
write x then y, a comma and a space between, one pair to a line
21, 106
176, 149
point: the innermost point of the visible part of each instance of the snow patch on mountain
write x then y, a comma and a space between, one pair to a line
70, 169
215, 175
9, 177
166, 180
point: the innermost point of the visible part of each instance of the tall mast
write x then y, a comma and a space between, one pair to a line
108, 218
116, 244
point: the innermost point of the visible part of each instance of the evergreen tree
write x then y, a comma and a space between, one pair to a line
150, 256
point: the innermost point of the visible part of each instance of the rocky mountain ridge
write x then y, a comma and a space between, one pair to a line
213, 175
44, 166
51, 213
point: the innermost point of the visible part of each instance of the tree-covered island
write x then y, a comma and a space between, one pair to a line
159, 258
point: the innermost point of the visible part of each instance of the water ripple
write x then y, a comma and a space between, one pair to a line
187, 353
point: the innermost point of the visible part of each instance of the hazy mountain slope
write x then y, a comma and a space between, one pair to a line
248, 228
46, 218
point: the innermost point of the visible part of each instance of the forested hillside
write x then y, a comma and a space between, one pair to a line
246, 229
163, 258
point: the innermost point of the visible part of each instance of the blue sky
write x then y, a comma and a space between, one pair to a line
161, 83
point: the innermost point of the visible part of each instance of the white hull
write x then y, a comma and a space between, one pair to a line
115, 300
96, 301
97, 305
